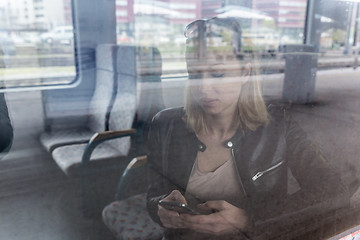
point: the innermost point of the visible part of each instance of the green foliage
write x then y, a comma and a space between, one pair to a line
338, 35
171, 48
269, 24
253, 48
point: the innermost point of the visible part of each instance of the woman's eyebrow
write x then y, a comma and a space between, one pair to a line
215, 66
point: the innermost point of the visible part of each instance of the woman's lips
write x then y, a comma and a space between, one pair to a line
208, 102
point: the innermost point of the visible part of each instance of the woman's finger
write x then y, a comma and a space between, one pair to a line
210, 225
202, 219
233, 216
212, 229
169, 213
217, 205
170, 219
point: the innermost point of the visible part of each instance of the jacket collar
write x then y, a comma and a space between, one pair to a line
230, 143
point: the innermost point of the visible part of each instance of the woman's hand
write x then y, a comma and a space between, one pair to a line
226, 219
172, 219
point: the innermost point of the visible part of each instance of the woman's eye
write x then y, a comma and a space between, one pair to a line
217, 75
195, 75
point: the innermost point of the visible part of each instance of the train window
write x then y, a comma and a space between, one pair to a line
265, 26
252, 106
36, 44
292, 41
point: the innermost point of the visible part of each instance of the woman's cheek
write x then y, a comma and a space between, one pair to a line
195, 93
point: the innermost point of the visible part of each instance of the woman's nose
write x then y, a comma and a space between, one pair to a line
204, 85
201, 81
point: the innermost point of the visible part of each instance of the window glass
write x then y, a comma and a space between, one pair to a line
296, 42
265, 26
294, 174
37, 43
338, 27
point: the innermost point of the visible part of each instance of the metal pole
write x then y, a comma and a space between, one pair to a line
308, 21
356, 24
348, 29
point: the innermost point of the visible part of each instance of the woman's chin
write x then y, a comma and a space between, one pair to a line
211, 111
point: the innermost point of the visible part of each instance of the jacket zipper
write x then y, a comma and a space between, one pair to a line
259, 174
238, 174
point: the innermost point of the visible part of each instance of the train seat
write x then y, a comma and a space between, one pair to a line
98, 106
127, 217
149, 92
70, 157
116, 117
137, 97
136, 67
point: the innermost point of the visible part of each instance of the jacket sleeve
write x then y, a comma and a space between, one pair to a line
318, 180
6, 130
160, 186
321, 193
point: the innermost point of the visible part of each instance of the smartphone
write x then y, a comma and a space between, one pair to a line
178, 207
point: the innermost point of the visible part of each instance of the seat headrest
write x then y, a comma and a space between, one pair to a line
106, 56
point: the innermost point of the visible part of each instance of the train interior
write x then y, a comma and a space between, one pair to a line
123, 62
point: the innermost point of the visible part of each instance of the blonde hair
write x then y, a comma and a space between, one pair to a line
251, 111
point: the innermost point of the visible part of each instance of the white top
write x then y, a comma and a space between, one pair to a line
221, 184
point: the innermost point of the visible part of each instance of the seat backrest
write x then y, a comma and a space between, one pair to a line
149, 98
123, 105
149, 70
135, 67
105, 88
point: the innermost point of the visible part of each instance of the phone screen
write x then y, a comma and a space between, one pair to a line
178, 207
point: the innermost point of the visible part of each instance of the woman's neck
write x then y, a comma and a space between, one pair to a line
220, 127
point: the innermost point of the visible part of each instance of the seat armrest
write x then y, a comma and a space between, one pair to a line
53, 147
100, 137
135, 163
107, 135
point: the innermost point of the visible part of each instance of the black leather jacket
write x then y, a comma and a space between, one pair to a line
265, 158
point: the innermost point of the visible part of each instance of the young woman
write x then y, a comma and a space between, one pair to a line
229, 155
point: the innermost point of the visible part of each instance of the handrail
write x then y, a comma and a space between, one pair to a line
100, 137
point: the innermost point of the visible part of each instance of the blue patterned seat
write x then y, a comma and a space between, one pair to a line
98, 109
127, 217
69, 157
117, 116
107, 151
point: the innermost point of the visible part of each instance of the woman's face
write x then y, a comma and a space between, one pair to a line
216, 81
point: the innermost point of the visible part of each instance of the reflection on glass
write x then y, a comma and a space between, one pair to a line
37, 42
229, 156
266, 28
